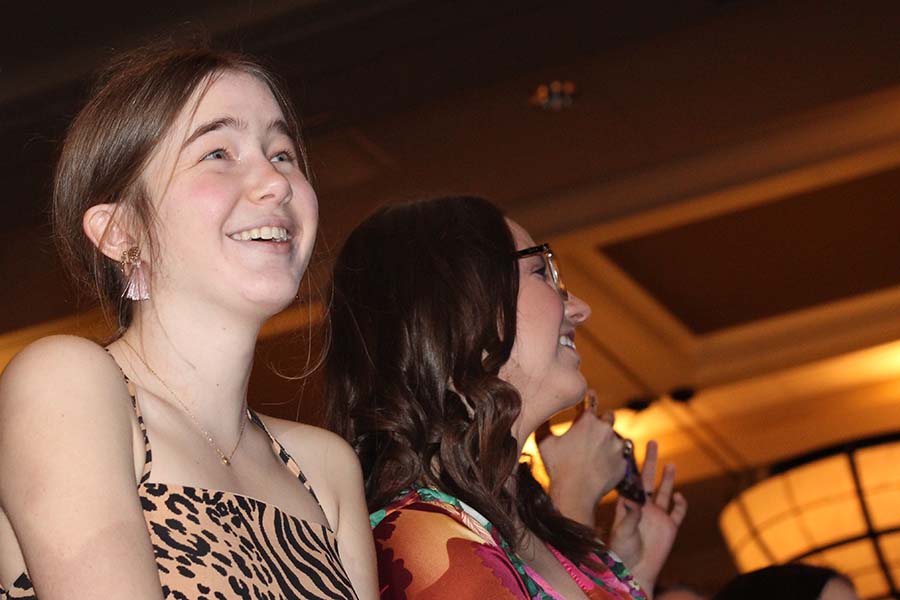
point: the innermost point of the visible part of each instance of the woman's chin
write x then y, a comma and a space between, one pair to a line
268, 301
578, 390
569, 397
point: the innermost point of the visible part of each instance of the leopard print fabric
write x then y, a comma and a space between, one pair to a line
219, 545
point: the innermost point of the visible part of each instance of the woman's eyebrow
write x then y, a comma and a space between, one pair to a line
213, 125
280, 126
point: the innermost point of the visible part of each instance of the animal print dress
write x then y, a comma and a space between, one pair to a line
212, 544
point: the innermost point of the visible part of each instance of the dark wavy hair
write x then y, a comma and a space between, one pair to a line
422, 319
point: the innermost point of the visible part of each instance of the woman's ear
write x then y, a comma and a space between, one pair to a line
104, 226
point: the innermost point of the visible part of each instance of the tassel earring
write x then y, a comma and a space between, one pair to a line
136, 287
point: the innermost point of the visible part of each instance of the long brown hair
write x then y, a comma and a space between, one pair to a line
108, 145
423, 318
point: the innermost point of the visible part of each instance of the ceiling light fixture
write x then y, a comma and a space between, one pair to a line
838, 507
555, 96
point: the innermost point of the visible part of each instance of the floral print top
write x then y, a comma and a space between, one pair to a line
432, 545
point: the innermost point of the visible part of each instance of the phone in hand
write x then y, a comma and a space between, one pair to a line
631, 486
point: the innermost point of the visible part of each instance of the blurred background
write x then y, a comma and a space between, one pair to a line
720, 178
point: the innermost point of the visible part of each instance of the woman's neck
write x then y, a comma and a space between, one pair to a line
202, 357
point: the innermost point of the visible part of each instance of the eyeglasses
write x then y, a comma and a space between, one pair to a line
550, 263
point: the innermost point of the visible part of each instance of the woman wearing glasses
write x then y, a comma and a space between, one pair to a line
453, 339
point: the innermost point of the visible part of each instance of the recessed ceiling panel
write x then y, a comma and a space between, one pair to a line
805, 250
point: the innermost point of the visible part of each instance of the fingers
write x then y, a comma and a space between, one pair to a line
627, 517
580, 410
587, 405
592, 405
648, 469
594, 426
663, 494
679, 508
609, 417
620, 512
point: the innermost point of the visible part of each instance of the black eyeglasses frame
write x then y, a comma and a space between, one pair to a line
550, 262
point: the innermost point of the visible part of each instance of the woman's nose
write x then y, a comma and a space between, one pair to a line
269, 185
577, 310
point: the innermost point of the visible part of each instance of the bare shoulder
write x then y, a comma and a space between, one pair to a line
59, 386
314, 444
328, 462
48, 359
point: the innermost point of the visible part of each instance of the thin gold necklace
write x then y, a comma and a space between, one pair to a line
226, 458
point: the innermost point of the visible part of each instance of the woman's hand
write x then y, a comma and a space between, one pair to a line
584, 463
642, 536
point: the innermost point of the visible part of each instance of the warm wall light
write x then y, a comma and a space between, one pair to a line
839, 507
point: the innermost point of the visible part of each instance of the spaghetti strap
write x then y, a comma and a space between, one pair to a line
286, 458
148, 453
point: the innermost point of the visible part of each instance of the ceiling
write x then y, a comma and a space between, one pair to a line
723, 190
816, 246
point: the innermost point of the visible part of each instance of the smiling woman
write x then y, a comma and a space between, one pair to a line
181, 198
452, 342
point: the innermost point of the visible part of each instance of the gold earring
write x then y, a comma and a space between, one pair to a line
136, 286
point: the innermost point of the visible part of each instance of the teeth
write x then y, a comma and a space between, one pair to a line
565, 340
276, 234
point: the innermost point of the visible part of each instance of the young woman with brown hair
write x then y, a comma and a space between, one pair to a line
453, 338
181, 197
